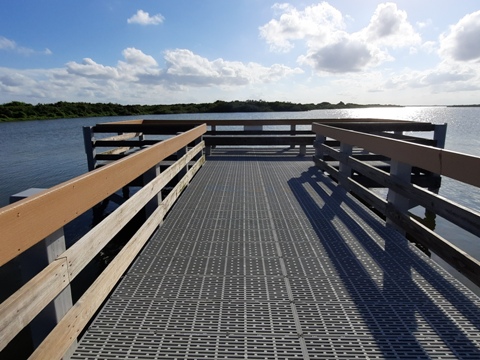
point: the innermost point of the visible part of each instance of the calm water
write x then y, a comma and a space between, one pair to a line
45, 153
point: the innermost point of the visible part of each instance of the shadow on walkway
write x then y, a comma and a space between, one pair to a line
411, 309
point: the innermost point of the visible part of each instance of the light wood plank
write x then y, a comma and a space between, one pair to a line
26, 222
19, 309
125, 136
86, 248
69, 328
462, 167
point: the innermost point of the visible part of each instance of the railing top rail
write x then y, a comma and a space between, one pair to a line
28, 221
458, 166
235, 122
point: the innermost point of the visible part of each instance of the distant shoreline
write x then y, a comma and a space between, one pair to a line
20, 111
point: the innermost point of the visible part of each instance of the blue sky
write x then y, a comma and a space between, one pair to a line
407, 52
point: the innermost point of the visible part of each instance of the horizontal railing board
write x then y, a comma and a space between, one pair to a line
144, 128
28, 221
258, 140
121, 137
172, 126
84, 250
457, 258
131, 143
439, 161
20, 309
71, 325
259, 132
423, 159
454, 256
382, 126
249, 122
457, 214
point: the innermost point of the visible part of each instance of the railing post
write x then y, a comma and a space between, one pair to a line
319, 141
153, 204
345, 171
89, 139
32, 262
402, 172
196, 142
181, 152
292, 132
439, 135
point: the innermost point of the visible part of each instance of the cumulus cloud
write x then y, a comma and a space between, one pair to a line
144, 18
320, 22
330, 48
138, 77
461, 43
7, 44
185, 67
90, 69
389, 27
10, 45
137, 57
446, 77
348, 55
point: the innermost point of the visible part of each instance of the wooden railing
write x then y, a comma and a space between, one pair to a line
286, 132
28, 222
345, 162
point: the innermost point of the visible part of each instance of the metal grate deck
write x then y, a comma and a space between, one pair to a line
265, 258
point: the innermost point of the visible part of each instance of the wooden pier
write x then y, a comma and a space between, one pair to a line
266, 252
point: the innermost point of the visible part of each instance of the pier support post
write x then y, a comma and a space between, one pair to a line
293, 129
439, 135
181, 152
303, 150
31, 263
345, 171
402, 172
88, 139
196, 142
156, 200
319, 141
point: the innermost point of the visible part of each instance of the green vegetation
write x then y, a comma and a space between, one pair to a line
470, 105
16, 110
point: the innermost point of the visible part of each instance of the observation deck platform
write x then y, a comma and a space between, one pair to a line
265, 257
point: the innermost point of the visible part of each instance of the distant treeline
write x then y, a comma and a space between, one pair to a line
16, 110
471, 105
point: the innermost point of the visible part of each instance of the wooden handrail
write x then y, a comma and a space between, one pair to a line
153, 126
461, 167
71, 325
28, 221
24, 305
439, 161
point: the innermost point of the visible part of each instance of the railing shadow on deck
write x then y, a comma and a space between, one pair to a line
401, 266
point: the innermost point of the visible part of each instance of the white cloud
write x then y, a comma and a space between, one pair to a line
330, 48
144, 18
347, 55
389, 27
185, 67
461, 42
139, 78
7, 44
445, 77
10, 45
90, 69
137, 57
320, 22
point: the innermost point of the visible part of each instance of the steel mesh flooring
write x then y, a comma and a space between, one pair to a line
265, 258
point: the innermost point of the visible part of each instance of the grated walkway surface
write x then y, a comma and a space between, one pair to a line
265, 258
